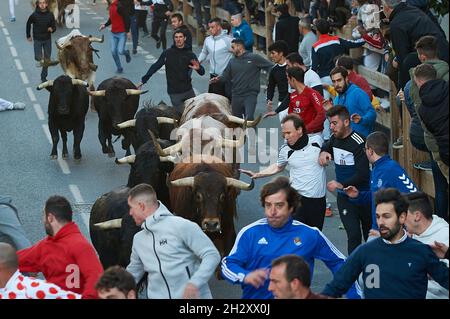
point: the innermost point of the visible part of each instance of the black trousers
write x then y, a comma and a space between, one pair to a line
217, 88
357, 221
160, 24
141, 16
311, 211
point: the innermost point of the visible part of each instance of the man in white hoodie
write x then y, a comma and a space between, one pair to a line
177, 255
427, 228
216, 49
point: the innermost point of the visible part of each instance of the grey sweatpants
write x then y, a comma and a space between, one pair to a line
244, 106
11, 230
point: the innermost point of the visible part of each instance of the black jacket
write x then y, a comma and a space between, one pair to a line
407, 25
178, 72
287, 29
434, 113
41, 21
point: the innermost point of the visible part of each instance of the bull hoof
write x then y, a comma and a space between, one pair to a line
53, 157
65, 156
111, 154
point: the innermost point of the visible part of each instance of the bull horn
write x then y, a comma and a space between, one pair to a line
240, 184
168, 158
232, 143
79, 82
240, 121
166, 120
93, 66
110, 224
97, 93
44, 85
168, 150
127, 159
186, 181
129, 123
135, 92
95, 39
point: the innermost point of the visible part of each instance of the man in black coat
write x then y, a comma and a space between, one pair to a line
407, 25
287, 28
434, 110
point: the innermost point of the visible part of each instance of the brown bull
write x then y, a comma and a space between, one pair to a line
205, 192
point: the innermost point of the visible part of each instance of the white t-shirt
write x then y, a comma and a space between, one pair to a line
306, 175
312, 79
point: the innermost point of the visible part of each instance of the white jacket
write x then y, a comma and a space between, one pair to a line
438, 231
217, 50
174, 251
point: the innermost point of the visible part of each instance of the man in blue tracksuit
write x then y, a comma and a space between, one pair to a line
393, 266
385, 173
276, 235
357, 102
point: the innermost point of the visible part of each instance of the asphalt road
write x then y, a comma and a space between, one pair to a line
30, 177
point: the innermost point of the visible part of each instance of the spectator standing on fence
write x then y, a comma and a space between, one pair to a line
177, 22
427, 228
286, 27
277, 75
216, 49
242, 30
309, 38
407, 25
346, 149
434, 111
244, 72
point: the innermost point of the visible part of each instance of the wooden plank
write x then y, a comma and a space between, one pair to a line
259, 30
374, 78
426, 183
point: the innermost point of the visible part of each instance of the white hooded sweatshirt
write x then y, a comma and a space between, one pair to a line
174, 251
438, 231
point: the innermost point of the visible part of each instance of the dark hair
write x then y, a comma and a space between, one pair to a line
226, 26
394, 197
339, 110
178, 16
142, 189
345, 61
294, 57
425, 72
419, 201
305, 22
59, 207
279, 46
216, 20
296, 268
238, 41
296, 73
339, 69
379, 142
322, 26
281, 183
427, 45
282, 8
296, 120
179, 30
116, 277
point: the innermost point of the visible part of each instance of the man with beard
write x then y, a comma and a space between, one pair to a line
65, 257
394, 266
357, 102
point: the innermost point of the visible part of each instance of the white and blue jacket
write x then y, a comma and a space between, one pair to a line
258, 244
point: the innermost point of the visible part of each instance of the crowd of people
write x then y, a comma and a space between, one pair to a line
327, 114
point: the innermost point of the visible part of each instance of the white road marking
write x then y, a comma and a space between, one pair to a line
76, 193
13, 51
5, 31
1, 24
8, 39
149, 56
98, 18
91, 13
18, 65
31, 94
62, 163
24, 77
39, 112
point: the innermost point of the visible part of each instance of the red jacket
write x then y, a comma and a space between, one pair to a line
67, 260
308, 105
360, 81
116, 19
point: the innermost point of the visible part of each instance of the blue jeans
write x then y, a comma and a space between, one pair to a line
134, 30
118, 41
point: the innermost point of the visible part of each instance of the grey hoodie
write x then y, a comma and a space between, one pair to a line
217, 50
244, 73
437, 231
174, 251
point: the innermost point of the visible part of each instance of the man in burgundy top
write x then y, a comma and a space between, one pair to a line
290, 278
119, 20
347, 62
64, 257
305, 102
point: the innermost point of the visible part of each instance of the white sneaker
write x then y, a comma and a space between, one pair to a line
18, 106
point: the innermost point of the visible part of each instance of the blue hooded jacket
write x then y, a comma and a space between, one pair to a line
245, 33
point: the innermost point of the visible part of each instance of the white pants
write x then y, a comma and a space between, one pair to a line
5, 105
11, 7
